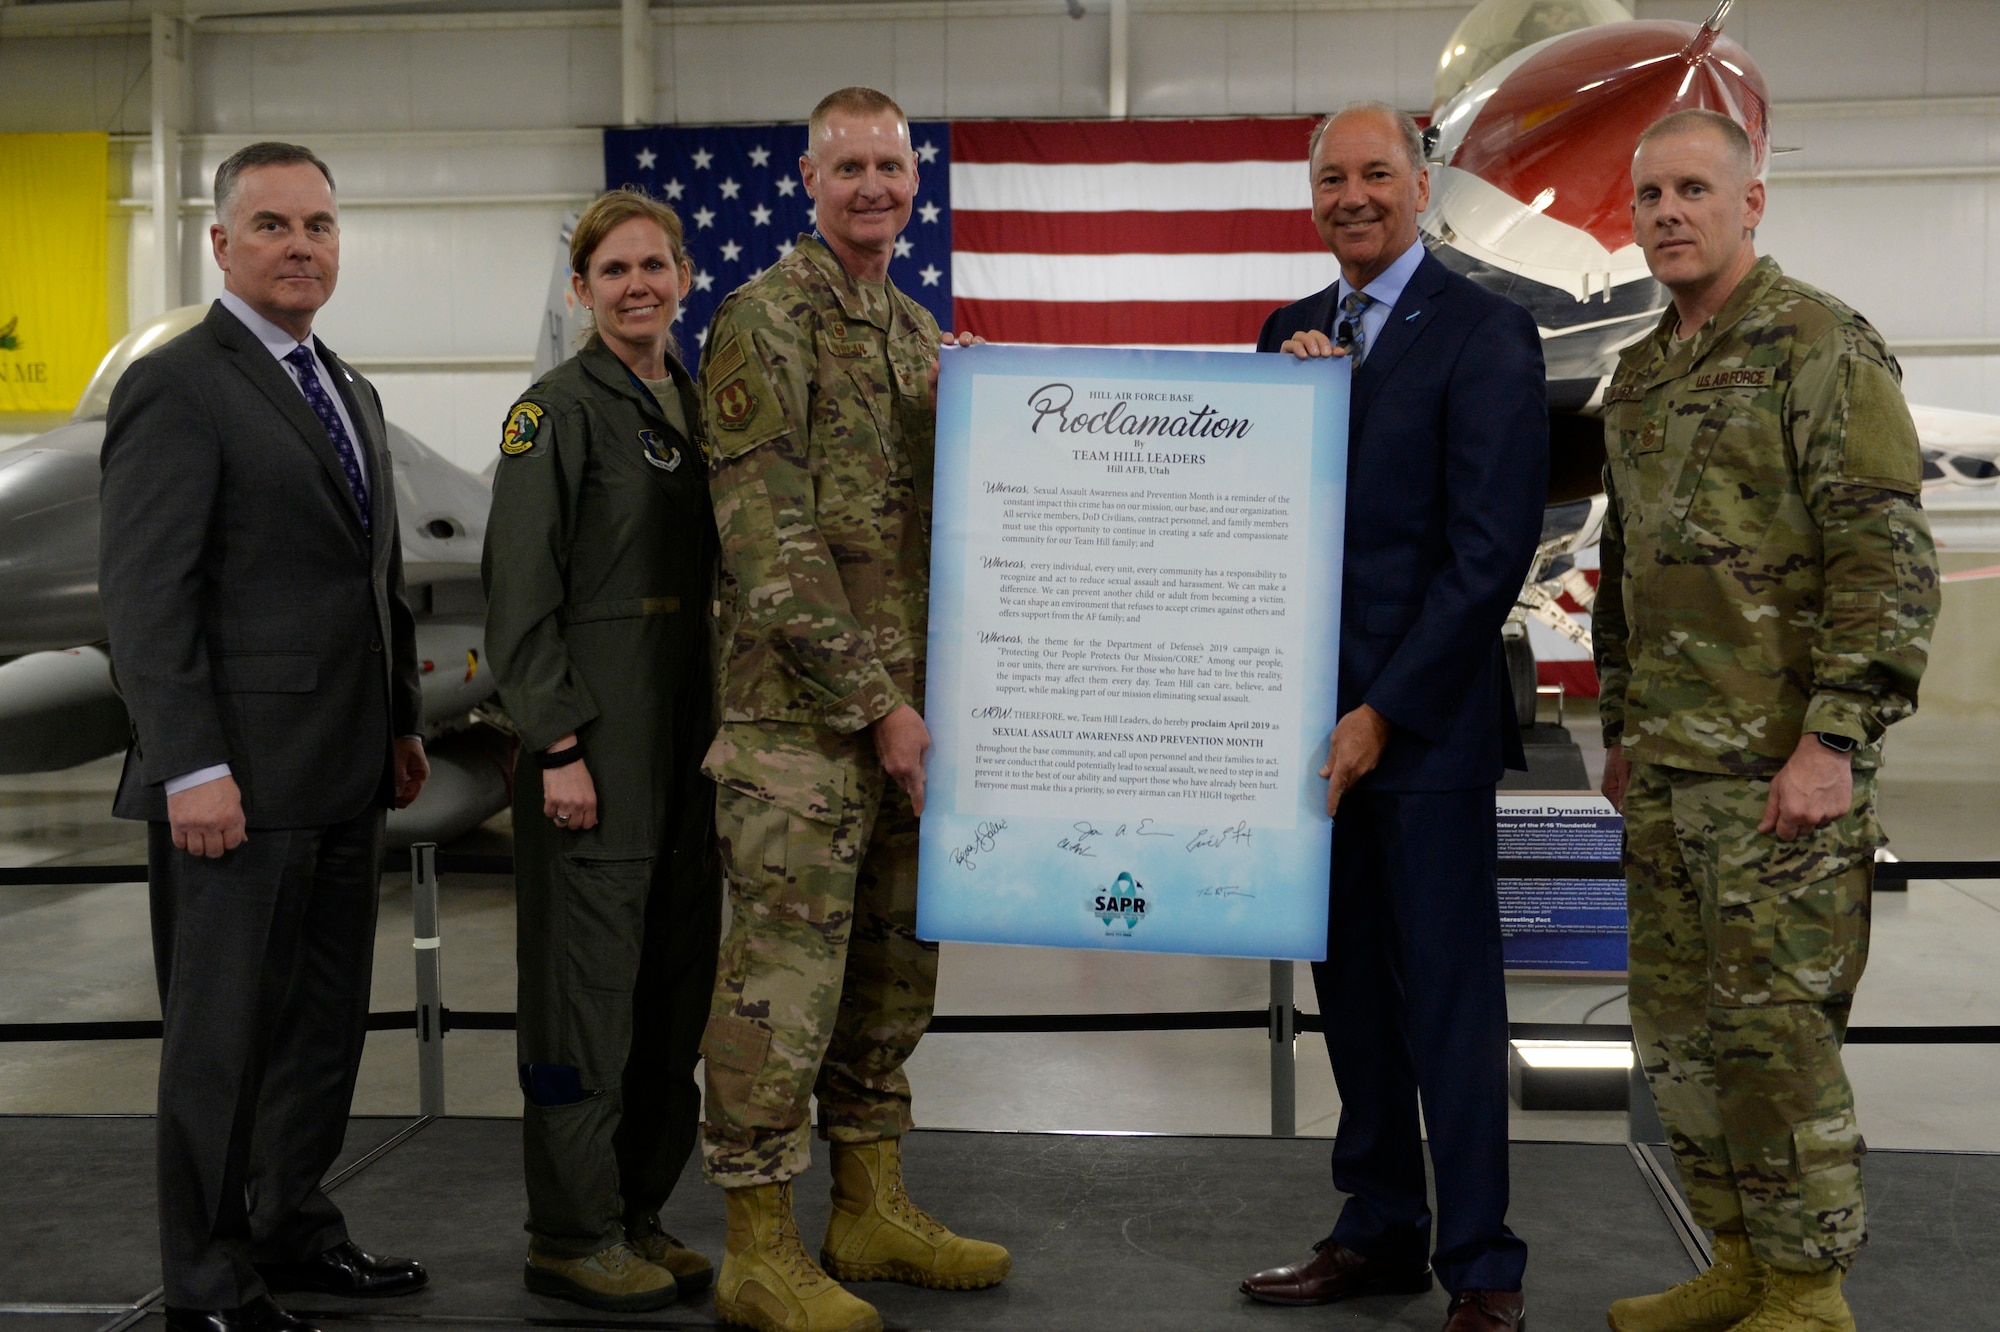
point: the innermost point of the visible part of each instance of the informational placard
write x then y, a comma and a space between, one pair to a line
1556, 923
1134, 634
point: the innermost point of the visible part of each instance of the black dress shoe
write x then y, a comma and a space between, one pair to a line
259, 1315
346, 1269
1335, 1272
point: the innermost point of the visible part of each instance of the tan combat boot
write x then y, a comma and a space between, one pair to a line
692, 1272
877, 1234
767, 1280
1728, 1292
1801, 1302
615, 1279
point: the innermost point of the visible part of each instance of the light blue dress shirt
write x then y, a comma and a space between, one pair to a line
1385, 290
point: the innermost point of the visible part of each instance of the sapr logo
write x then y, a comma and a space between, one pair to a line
1124, 899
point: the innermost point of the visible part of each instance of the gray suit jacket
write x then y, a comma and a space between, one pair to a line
252, 622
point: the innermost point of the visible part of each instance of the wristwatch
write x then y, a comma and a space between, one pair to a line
1839, 744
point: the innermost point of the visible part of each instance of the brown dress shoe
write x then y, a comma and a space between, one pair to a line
1487, 1311
1334, 1273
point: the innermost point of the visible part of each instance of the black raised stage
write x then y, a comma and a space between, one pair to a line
1109, 1234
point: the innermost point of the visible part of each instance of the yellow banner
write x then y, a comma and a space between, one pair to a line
52, 268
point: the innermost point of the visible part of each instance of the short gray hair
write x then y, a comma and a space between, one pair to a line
1413, 138
268, 153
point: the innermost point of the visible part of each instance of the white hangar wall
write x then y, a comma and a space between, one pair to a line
460, 140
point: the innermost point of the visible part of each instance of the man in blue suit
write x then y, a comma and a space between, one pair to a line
1447, 477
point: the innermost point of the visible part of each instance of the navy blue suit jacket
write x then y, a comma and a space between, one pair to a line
1447, 477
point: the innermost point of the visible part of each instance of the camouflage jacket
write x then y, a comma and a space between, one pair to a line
814, 397
1767, 568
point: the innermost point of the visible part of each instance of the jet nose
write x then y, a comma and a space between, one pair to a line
1557, 133
48, 551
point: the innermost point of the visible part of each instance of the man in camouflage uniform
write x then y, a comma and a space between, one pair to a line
818, 384
1769, 591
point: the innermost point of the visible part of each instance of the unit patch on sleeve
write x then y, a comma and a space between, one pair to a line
735, 404
522, 423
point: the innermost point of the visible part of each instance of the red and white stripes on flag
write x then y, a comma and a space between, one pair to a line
1182, 233
1557, 660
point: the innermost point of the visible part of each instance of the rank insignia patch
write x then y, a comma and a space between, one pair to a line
522, 423
735, 404
658, 452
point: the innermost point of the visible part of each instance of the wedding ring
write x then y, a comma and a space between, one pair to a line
562, 820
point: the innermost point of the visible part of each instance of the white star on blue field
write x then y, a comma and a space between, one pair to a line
742, 206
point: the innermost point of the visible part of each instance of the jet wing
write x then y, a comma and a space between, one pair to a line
1961, 476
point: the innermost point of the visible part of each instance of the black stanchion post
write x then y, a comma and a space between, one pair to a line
430, 984
1642, 1117
1284, 1070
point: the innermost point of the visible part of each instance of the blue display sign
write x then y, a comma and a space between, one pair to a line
1562, 924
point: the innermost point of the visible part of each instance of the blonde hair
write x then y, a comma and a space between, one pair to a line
606, 213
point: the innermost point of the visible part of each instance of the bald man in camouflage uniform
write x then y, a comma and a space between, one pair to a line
1769, 591
818, 386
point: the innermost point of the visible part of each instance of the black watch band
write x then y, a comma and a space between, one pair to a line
1839, 744
558, 758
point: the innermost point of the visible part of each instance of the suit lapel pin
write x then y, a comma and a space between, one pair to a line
1411, 315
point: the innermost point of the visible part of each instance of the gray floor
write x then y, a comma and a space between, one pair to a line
73, 954
1107, 1234
1148, 1233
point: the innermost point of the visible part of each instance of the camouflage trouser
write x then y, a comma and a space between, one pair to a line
1744, 955
823, 988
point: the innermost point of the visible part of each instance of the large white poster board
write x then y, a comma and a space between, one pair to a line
1135, 609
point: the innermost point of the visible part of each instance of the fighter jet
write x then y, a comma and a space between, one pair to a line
1537, 106
57, 704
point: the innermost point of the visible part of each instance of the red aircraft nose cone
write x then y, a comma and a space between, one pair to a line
1567, 120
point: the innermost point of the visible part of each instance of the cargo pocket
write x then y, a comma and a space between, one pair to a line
1832, 1220
1804, 944
1774, 922
1855, 619
736, 1049
604, 924
764, 762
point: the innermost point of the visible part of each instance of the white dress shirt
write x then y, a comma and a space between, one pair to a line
280, 344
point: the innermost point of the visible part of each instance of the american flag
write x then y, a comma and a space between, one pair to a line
1176, 233
742, 207
1148, 233
1164, 233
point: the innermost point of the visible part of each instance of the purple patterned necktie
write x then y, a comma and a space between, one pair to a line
301, 359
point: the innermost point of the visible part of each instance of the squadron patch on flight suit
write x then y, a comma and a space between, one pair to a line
522, 424
661, 454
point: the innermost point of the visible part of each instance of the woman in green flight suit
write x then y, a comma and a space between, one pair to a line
599, 568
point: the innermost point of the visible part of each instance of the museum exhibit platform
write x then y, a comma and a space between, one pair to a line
1109, 1233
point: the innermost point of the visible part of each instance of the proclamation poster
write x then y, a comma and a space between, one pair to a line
1134, 635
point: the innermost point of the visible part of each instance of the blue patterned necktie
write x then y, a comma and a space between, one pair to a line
301, 359
1347, 333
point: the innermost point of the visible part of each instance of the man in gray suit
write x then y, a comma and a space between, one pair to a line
253, 584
